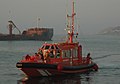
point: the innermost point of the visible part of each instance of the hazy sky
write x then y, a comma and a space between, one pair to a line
92, 15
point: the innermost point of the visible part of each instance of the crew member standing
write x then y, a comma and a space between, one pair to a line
88, 58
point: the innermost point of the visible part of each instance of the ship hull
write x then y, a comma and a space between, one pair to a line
43, 35
38, 69
24, 37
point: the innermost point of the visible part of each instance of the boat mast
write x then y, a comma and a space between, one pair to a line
71, 33
38, 23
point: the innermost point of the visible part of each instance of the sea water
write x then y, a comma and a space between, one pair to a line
105, 51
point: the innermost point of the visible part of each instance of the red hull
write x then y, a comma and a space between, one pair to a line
31, 70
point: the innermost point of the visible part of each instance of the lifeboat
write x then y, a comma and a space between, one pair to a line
58, 58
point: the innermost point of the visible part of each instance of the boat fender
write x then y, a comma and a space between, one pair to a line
95, 67
59, 67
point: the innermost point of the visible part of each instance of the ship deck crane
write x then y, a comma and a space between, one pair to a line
11, 26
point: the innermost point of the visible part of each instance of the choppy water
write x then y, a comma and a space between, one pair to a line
105, 51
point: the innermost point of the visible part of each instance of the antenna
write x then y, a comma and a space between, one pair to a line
9, 16
38, 21
70, 25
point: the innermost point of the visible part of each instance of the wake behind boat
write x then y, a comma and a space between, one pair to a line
58, 58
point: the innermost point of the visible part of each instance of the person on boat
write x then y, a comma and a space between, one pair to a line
41, 54
88, 58
27, 57
58, 54
46, 56
34, 57
37, 55
51, 54
42, 57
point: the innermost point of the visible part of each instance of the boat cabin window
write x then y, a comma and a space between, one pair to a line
51, 54
56, 47
69, 53
66, 53
58, 54
42, 47
52, 47
75, 54
54, 53
47, 47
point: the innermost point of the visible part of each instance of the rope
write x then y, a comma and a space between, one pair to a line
104, 56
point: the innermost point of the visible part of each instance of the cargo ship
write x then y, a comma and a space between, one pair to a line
37, 33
